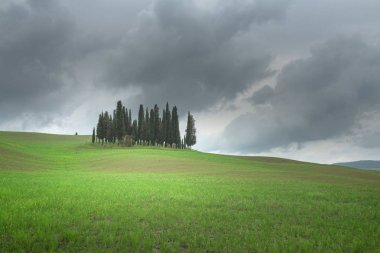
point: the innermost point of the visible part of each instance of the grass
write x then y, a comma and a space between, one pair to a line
64, 194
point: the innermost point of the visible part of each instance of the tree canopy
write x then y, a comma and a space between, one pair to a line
148, 129
190, 138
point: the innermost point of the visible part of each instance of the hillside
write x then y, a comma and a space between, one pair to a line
363, 164
62, 193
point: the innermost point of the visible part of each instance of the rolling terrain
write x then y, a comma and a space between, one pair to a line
364, 164
62, 193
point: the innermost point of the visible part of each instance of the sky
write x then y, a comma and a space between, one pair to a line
298, 79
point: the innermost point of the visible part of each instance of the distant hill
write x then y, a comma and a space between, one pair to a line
364, 164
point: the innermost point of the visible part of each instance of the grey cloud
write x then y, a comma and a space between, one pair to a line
310, 22
367, 132
263, 95
40, 50
63, 61
324, 96
192, 56
34, 46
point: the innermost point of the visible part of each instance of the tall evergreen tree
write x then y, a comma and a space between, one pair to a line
160, 132
163, 127
147, 126
104, 127
119, 122
129, 122
100, 128
109, 130
168, 137
93, 136
134, 130
125, 117
140, 123
156, 124
190, 138
152, 137
176, 136
114, 127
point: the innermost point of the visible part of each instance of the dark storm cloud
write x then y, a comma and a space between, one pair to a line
35, 45
263, 95
41, 47
190, 55
63, 61
318, 98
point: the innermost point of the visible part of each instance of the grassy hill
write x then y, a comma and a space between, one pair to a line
364, 164
62, 193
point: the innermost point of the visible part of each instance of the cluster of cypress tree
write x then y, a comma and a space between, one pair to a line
148, 129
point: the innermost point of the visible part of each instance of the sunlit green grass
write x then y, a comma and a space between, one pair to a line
62, 193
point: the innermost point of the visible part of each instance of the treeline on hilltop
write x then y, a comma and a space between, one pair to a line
148, 129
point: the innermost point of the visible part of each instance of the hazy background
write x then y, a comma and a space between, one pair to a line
290, 78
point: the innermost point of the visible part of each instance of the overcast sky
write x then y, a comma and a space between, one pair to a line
290, 78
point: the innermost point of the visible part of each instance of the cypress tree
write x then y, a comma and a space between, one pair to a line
134, 130
129, 122
105, 124
163, 127
114, 127
160, 131
99, 126
125, 117
168, 137
151, 128
140, 122
147, 126
93, 135
119, 122
156, 124
110, 129
190, 138
176, 136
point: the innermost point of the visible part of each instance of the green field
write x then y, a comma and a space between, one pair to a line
64, 194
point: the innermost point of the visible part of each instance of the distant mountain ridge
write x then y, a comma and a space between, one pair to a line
363, 164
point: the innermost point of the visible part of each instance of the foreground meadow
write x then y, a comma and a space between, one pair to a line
62, 193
